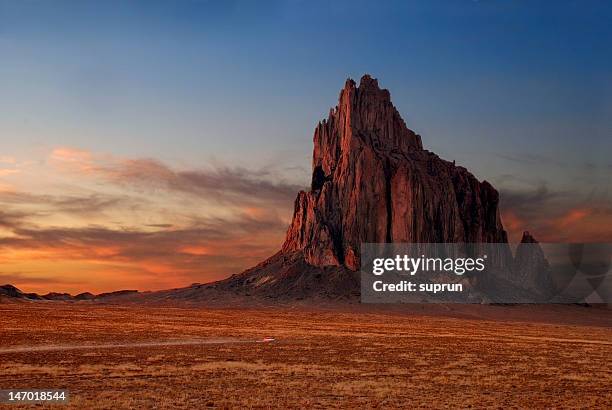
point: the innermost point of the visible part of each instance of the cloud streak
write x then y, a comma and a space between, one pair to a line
69, 204
223, 184
556, 216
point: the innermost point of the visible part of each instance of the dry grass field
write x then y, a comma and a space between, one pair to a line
146, 357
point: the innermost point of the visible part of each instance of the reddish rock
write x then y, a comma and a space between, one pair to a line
372, 181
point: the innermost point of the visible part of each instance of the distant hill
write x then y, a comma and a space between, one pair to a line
10, 291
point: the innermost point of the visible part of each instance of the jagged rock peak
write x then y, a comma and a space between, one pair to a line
366, 115
366, 84
531, 268
528, 238
373, 182
368, 81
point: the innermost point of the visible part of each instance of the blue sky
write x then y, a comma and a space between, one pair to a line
189, 80
519, 92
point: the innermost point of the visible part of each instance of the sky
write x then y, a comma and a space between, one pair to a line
150, 145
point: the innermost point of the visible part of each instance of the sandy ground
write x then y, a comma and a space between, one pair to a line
146, 357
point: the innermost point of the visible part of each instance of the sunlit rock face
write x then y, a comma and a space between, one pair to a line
372, 181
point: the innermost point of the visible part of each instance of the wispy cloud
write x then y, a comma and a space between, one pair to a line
70, 204
7, 160
556, 216
530, 159
11, 219
5, 172
219, 183
529, 203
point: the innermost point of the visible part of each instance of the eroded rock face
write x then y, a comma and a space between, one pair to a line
372, 181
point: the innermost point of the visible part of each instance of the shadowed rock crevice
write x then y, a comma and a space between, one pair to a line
388, 202
318, 178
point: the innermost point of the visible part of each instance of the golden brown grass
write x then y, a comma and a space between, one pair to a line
321, 359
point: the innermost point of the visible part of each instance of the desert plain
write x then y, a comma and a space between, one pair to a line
133, 356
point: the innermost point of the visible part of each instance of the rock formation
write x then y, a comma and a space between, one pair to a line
372, 181
531, 269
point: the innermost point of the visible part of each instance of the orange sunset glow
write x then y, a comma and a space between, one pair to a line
76, 221
96, 222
